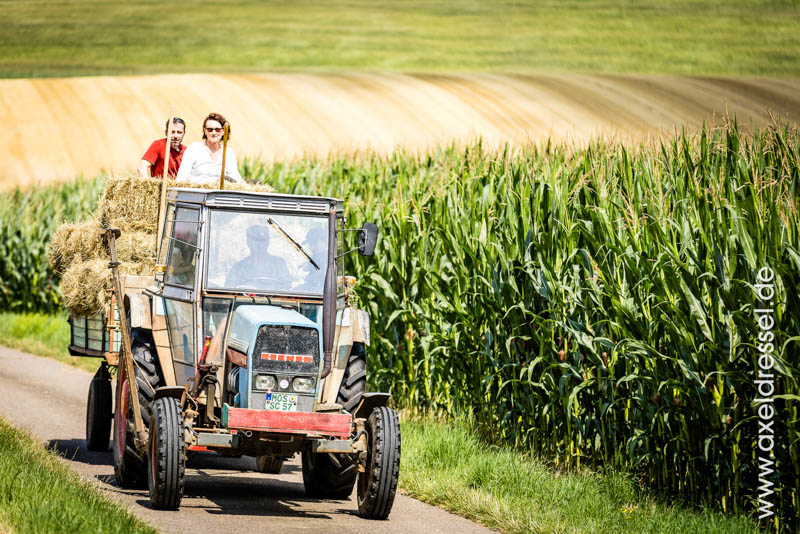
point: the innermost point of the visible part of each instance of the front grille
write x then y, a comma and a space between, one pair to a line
286, 349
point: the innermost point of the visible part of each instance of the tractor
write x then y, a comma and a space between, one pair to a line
243, 342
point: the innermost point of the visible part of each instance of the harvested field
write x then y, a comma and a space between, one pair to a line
60, 128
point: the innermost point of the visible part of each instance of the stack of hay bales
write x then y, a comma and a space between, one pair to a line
78, 251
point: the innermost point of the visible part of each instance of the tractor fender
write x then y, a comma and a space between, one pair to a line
175, 392
370, 401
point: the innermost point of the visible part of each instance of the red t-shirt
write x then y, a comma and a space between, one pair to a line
155, 155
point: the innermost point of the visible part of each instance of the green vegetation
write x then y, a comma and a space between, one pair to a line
79, 37
594, 306
39, 333
27, 220
38, 493
450, 467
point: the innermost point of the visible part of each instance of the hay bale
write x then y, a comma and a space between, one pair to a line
136, 247
85, 285
131, 199
56, 248
132, 202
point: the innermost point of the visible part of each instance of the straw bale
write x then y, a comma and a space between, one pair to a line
136, 247
84, 284
135, 200
55, 254
131, 199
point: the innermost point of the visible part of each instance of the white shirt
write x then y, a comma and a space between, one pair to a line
197, 166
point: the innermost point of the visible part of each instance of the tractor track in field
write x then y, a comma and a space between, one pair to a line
57, 129
48, 398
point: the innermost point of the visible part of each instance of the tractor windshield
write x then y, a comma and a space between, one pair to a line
257, 252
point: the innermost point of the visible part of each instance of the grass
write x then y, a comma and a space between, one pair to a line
688, 37
38, 493
443, 464
38, 333
448, 466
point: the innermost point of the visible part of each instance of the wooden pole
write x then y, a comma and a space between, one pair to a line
224, 152
162, 206
140, 433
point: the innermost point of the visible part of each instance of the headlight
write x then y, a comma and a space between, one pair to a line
264, 382
302, 384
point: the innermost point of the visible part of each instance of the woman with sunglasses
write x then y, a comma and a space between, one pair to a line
202, 161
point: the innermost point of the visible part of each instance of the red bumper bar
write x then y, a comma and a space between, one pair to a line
325, 424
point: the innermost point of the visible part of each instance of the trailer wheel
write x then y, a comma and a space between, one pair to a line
269, 464
377, 485
166, 461
354, 381
327, 475
129, 467
98, 415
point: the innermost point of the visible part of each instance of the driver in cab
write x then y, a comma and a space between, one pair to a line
260, 265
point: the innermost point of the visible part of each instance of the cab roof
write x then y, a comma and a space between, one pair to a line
252, 200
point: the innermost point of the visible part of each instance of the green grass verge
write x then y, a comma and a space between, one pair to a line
38, 493
38, 333
448, 466
79, 37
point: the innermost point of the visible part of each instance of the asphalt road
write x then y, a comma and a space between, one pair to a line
48, 398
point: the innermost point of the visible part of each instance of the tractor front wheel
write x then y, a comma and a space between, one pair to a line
166, 461
377, 485
98, 414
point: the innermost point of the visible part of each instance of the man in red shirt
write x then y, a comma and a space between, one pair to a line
152, 164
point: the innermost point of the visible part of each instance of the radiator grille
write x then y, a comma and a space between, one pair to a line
290, 342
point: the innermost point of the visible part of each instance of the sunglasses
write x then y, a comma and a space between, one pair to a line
218, 130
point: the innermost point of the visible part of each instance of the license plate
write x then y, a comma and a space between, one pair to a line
282, 402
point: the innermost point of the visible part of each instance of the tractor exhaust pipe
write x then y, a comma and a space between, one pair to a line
329, 296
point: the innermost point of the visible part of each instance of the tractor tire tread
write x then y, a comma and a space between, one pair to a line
168, 451
376, 492
98, 414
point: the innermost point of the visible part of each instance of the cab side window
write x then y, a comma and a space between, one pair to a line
183, 248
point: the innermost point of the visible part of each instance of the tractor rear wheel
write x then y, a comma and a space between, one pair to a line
328, 475
269, 464
98, 414
130, 470
377, 485
354, 381
166, 461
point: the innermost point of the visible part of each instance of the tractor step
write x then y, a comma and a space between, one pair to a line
306, 423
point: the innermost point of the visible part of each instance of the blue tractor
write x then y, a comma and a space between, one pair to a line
244, 342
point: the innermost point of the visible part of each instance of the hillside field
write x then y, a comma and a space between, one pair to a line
57, 129
678, 37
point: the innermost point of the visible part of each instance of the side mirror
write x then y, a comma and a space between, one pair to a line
367, 238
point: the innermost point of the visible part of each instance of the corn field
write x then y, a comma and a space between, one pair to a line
593, 306
27, 220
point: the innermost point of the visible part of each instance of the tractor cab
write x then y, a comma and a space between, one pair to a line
244, 281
